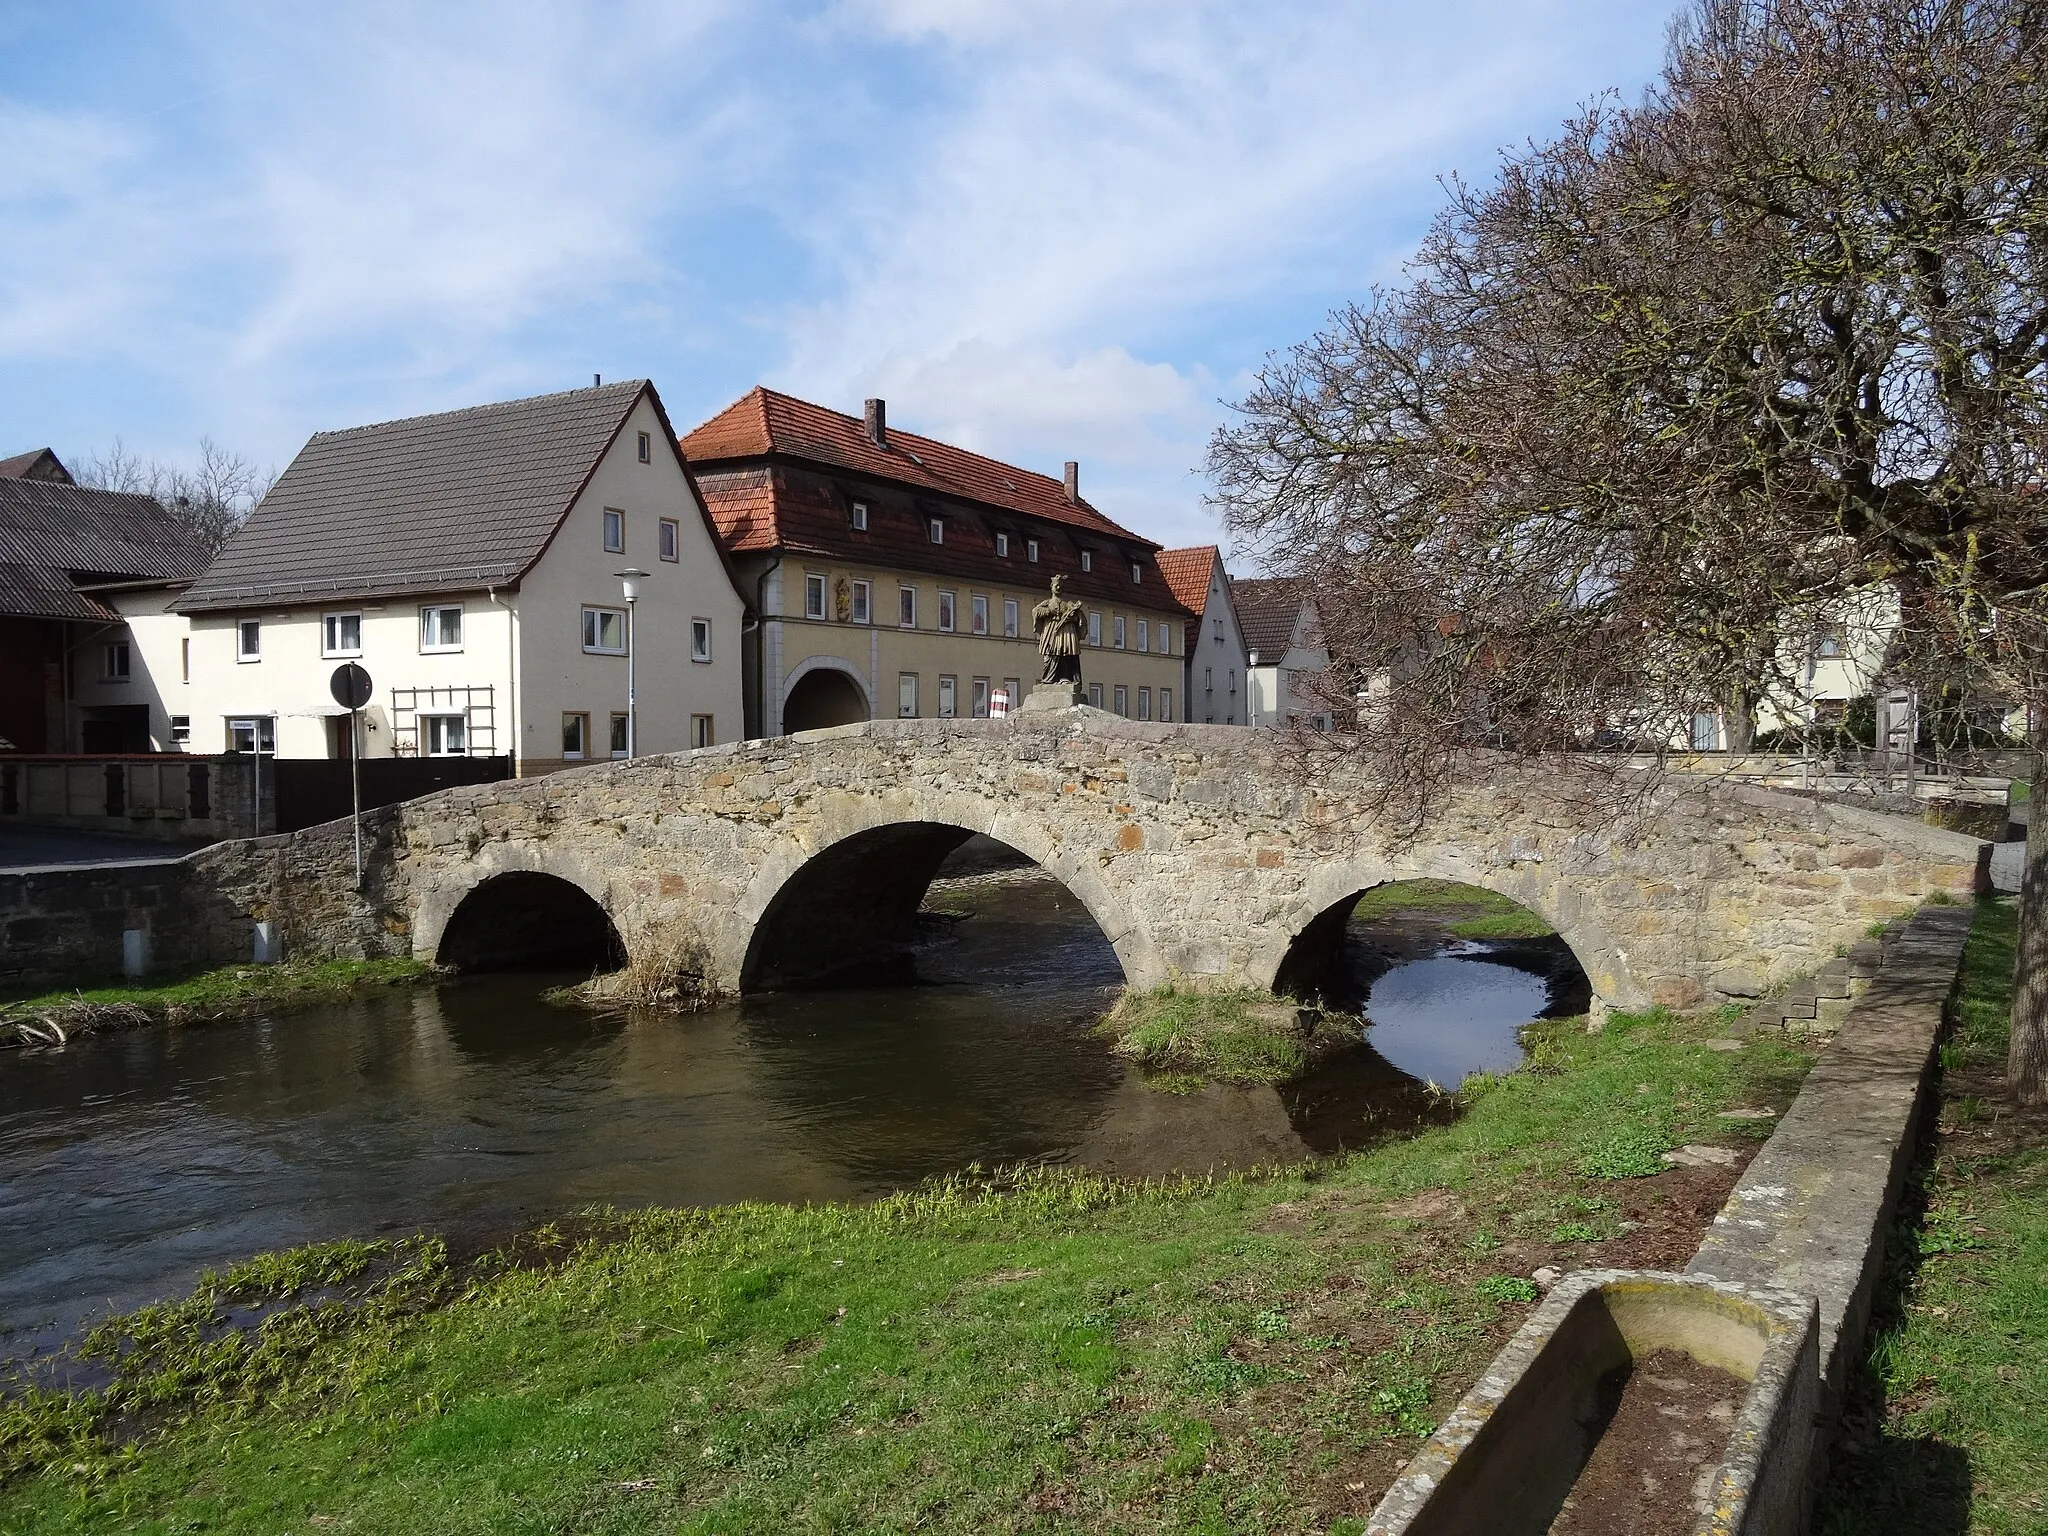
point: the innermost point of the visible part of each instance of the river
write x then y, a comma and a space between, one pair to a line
129, 1163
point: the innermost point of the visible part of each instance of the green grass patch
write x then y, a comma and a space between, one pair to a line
1044, 1351
1467, 911
223, 992
1948, 1425
1184, 1039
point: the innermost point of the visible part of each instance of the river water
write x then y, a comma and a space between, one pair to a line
129, 1163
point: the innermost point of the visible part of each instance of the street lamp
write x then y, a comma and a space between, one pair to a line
629, 579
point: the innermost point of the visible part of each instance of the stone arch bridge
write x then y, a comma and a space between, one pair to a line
1220, 856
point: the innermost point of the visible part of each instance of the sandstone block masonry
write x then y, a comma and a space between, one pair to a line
1215, 855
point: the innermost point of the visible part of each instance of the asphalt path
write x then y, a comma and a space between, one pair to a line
71, 848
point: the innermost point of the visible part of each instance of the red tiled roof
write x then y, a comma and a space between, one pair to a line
764, 422
1188, 573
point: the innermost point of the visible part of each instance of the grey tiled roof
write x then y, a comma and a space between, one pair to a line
1267, 609
467, 498
55, 536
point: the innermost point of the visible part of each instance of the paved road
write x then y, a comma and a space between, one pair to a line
63, 847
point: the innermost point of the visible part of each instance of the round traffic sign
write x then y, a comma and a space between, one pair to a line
350, 686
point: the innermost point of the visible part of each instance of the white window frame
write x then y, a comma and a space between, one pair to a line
614, 520
429, 718
1144, 703
330, 642
977, 613
700, 640
181, 732
1009, 618
814, 595
621, 739
582, 748
1095, 695
644, 447
1166, 706
860, 517
428, 617
248, 640
1031, 551
863, 602
906, 607
593, 630
671, 546
935, 529
703, 731
1137, 573
1144, 636
260, 727
1087, 559
949, 696
1120, 632
949, 605
978, 698
1014, 687
1122, 699
906, 695
1095, 626
1002, 546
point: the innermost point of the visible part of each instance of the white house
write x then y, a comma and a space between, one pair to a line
1216, 689
470, 562
1284, 651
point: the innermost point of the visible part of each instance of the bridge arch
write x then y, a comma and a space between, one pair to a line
827, 912
525, 920
824, 691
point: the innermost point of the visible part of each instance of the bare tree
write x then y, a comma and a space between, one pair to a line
213, 497
1653, 403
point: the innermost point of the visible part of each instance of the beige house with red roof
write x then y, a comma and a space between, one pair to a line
1214, 675
894, 575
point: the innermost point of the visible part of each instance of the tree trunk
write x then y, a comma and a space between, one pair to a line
2026, 1067
1739, 713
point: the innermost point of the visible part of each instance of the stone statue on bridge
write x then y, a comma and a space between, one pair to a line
1058, 622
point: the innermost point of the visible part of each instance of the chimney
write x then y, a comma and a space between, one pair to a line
596, 380
878, 422
1073, 482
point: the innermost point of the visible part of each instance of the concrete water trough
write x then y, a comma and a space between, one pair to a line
1513, 1457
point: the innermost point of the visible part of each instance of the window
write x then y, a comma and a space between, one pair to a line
948, 687
1010, 618
614, 530
1087, 559
945, 612
906, 695
1003, 546
575, 733
860, 516
1095, 695
645, 447
441, 628
114, 664
446, 735
1031, 550
1208, 679
1119, 631
937, 529
977, 615
181, 732
906, 607
249, 640
1144, 636
1144, 703
185, 660
341, 634
622, 735
981, 698
1137, 573
254, 735
1827, 644
604, 631
814, 597
1166, 704
863, 602
1123, 700
701, 732
671, 539
700, 639
1094, 627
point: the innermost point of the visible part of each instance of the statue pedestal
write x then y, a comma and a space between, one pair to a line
1045, 696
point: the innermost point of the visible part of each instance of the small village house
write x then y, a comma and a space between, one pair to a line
469, 561
1284, 652
1213, 648
894, 575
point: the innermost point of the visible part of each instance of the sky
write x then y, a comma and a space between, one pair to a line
1044, 229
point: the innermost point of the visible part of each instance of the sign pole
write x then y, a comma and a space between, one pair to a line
355, 784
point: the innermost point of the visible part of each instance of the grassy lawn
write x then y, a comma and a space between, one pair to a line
1947, 1429
221, 993
1466, 911
1047, 1352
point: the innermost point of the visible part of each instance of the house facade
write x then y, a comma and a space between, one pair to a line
1213, 677
470, 562
1284, 653
75, 674
893, 574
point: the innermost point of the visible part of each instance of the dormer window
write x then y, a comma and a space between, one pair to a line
1137, 573
1003, 546
936, 526
1031, 550
860, 517
1087, 559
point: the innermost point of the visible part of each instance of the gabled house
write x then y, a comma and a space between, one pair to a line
470, 562
894, 575
72, 676
1214, 645
1283, 651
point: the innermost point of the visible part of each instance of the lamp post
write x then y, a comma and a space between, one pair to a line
629, 580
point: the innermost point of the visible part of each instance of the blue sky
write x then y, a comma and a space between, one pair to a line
1045, 230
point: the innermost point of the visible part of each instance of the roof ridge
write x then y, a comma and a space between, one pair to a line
484, 409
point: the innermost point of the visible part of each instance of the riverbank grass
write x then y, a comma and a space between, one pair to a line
1183, 1039
228, 991
1048, 1351
1947, 1427
1466, 911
